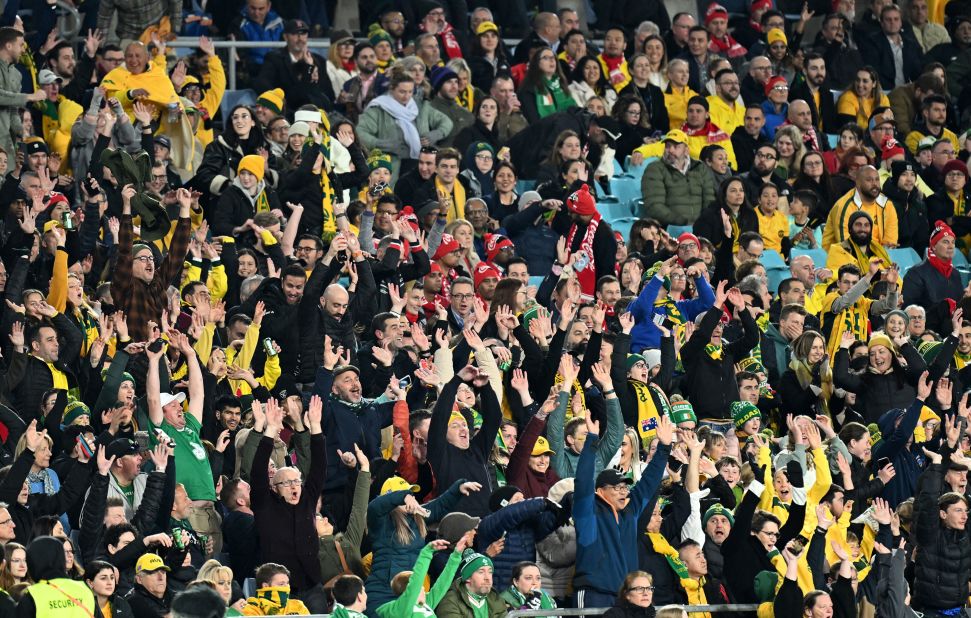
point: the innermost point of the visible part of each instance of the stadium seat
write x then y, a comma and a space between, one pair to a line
819, 256
636, 171
776, 275
618, 168
626, 189
676, 230
905, 258
959, 259
523, 186
773, 259
232, 98
611, 208
833, 139
536, 280
623, 226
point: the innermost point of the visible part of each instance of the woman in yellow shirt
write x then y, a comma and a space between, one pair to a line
677, 94
858, 102
773, 224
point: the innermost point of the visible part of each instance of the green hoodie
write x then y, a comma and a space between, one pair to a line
407, 604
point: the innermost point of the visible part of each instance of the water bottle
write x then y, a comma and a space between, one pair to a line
173, 112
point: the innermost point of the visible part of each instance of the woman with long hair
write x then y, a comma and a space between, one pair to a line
631, 115
504, 200
779, 54
567, 147
220, 162
484, 129
100, 578
628, 460
221, 579
464, 234
340, 60
635, 597
850, 136
657, 60
813, 176
859, 100
14, 569
487, 59
398, 525
655, 116
806, 385
730, 199
791, 149
544, 91
468, 95
587, 81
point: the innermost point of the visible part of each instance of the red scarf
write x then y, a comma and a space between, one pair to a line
711, 131
349, 65
452, 48
727, 47
945, 268
584, 266
613, 62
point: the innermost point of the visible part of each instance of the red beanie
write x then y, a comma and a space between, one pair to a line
760, 5
408, 214
954, 165
940, 230
775, 79
581, 202
494, 243
689, 237
57, 198
890, 148
715, 11
448, 245
484, 271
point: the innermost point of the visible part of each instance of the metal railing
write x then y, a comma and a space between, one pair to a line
599, 611
233, 45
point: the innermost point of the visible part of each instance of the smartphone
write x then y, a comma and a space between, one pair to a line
883, 462
799, 543
404, 383
156, 345
142, 440
674, 464
268, 347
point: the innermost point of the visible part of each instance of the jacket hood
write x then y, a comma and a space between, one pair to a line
260, 187
887, 420
45, 558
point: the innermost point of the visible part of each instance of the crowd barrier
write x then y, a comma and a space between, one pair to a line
599, 611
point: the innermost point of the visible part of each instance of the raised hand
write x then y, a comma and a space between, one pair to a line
886, 473
397, 302
473, 339
419, 338
569, 370
601, 376
881, 511
467, 488
924, 386
16, 335
665, 430
104, 463
824, 518
519, 381
274, 417
944, 392
626, 320
222, 441
160, 455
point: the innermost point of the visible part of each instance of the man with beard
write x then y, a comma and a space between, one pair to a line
350, 420
859, 248
866, 197
724, 107
282, 297
753, 84
748, 137
933, 118
385, 357
935, 284
591, 247
367, 84
811, 90
412, 183
801, 116
676, 188
75, 75
511, 120
763, 172
227, 417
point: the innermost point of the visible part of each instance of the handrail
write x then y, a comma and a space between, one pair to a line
232, 45
598, 611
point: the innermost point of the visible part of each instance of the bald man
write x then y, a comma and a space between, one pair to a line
867, 197
546, 30
801, 116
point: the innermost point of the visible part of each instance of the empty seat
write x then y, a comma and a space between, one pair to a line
905, 258
623, 226
676, 230
773, 259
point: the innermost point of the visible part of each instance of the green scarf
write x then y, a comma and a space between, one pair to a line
551, 98
713, 351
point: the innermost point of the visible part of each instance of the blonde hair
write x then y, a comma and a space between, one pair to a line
22, 444
794, 134
403, 532
671, 611
211, 570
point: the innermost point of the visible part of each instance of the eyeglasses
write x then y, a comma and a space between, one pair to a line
6, 522
159, 177
774, 535
290, 483
484, 156
641, 589
463, 296
623, 488
144, 259
781, 88
767, 156
428, 150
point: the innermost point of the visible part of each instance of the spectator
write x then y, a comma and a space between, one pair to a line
301, 73
259, 22
134, 18
676, 187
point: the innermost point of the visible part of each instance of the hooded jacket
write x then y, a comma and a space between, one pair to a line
45, 563
894, 447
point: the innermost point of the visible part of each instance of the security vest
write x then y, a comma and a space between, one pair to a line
62, 598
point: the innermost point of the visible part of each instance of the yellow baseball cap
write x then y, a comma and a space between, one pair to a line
149, 563
396, 483
677, 136
542, 447
486, 26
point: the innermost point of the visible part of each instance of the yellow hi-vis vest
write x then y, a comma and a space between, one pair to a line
62, 598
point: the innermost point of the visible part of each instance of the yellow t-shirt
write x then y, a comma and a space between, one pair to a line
773, 229
851, 105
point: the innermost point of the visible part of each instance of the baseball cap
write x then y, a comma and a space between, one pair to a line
121, 447
677, 136
149, 563
163, 141
610, 477
396, 483
542, 447
45, 77
168, 398
295, 26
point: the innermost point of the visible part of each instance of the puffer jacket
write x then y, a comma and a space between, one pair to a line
534, 238
876, 393
11, 100
390, 556
556, 556
943, 564
924, 285
524, 523
378, 129
894, 447
674, 198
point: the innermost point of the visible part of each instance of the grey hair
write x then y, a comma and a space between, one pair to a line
920, 309
752, 284
648, 28
248, 286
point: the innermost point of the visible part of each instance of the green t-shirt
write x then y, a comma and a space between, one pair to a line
128, 491
191, 463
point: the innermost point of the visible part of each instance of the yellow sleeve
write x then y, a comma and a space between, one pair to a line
250, 340
847, 104
217, 282
913, 140
190, 272
651, 150
884, 101
890, 231
765, 460
217, 86
203, 345
730, 150
268, 238
57, 295
829, 232
271, 372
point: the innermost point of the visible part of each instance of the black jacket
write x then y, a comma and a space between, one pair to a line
752, 91
709, 383
478, 132
624, 609
233, 209
531, 146
940, 207
221, 160
943, 564
709, 223
146, 605
876, 51
296, 80
745, 146
92, 517
912, 225
924, 285
827, 106
876, 393
653, 98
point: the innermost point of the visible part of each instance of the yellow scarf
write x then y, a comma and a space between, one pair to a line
854, 319
647, 412
693, 588
863, 260
58, 377
466, 98
454, 202
577, 389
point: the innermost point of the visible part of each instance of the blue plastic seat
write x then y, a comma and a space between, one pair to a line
636, 171
775, 276
676, 230
623, 226
523, 186
833, 139
626, 189
772, 259
612, 208
905, 258
536, 280
232, 98
959, 260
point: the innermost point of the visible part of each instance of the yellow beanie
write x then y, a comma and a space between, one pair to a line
881, 338
253, 164
272, 99
775, 35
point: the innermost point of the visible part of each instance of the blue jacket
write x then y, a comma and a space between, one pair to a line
607, 540
894, 446
525, 524
645, 334
534, 241
346, 426
389, 556
271, 30
773, 120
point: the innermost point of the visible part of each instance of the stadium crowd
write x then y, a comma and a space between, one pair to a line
641, 312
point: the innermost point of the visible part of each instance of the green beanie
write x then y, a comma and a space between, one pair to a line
682, 412
377, 159
633, 359
73, 411
472, 561
751, 364
717, 509
765, 583
530, 314
743, 412
125, 377
929, 350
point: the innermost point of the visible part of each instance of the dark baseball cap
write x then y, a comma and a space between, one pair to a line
36, 147
610, 477
121, 447
295, 26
